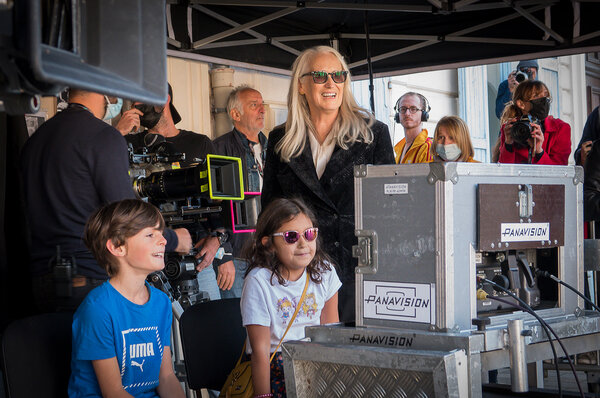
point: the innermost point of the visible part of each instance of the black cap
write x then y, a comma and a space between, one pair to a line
174, 114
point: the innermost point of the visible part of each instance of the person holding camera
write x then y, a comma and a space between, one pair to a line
160, 126
528, 133
526, 70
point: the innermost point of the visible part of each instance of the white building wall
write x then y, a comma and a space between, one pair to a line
192, 94
473, 108
572, 94
494, 75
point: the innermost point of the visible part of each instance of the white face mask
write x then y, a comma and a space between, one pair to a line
449, 152
112, 110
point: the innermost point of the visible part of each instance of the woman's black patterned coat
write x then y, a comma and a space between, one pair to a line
331, 197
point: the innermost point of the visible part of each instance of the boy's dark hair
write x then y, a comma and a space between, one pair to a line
269, 221
117, 222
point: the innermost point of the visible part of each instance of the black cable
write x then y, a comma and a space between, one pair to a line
565, 284
544, 325
558, 380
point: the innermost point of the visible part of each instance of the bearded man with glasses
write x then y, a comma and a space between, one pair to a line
412, 109
313, 155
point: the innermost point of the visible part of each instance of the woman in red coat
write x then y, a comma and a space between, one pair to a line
529, 134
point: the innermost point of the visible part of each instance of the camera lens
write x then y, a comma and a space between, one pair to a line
521, 131
180, 267
520, 77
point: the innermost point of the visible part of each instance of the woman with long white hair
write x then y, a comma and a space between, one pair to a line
313, 155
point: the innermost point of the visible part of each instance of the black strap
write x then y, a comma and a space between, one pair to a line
75, 105
257, 160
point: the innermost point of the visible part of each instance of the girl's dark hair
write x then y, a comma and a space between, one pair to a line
269, 221
118, 222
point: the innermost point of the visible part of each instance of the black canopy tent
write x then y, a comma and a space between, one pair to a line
405, 36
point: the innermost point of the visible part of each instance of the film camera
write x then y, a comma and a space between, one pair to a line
186, 198
522, 128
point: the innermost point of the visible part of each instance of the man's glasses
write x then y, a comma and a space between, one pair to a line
412, 109
292, 237
320, 77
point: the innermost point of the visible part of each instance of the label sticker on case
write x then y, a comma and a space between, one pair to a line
395, 189
521, 232
408, 302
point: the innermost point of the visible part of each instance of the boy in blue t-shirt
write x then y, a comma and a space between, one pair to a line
122, 330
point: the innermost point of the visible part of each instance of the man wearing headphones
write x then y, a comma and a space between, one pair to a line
412, 109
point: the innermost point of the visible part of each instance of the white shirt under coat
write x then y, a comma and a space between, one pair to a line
321, 153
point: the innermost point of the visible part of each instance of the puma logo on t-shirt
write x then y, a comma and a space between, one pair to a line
140, 365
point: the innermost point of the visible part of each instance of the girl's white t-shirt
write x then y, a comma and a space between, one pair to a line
273, 305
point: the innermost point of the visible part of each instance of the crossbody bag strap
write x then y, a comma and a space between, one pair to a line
294, 316
289, 325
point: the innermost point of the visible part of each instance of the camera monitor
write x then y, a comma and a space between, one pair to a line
115, 48
225, 177
243, 214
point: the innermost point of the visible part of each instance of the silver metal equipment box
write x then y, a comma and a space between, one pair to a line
428, 323
327, 370
427, 230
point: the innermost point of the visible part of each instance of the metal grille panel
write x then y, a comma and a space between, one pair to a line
325, 379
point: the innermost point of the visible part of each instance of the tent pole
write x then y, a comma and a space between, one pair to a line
370, 66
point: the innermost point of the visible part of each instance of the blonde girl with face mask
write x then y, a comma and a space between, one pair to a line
452, 142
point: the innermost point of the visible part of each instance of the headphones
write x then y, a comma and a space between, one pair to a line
424, 112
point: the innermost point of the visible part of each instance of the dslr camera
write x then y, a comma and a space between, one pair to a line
522, 128
523, 74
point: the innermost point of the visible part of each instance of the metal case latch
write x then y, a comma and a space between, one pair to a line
366, 251
525, 201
